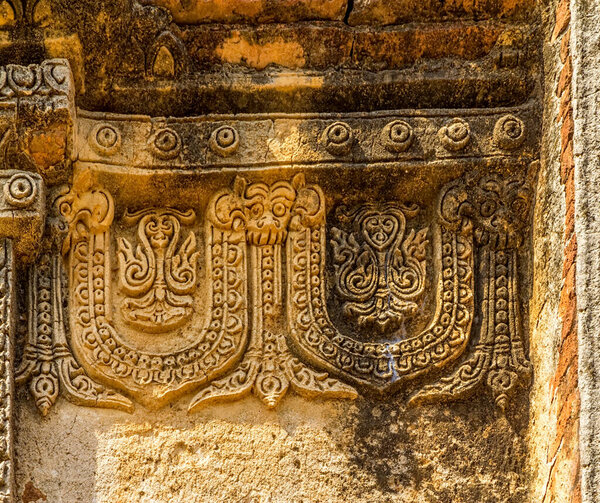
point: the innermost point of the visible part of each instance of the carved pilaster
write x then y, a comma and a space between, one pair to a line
7, 355
22, 202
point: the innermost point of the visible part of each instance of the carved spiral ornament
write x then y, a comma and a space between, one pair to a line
397, 136
224, 141
509, 132
165, 144
105, 139
338, 138
20, 191
455, 135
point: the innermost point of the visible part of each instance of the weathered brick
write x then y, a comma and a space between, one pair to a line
563, 18
566, 75
565, 45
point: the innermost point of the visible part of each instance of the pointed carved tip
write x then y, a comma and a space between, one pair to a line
44, 407
271, 401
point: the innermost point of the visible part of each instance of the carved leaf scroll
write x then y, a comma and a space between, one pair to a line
158, 278
379, 269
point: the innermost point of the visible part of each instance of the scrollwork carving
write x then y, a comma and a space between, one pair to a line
153, 377
157, 278
376, 365
499, 209
268, 369
380, 269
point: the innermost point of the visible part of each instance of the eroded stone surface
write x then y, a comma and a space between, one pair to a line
307, 451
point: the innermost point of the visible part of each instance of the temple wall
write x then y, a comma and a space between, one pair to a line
297, 251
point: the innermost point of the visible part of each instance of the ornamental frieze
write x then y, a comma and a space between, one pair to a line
326, 255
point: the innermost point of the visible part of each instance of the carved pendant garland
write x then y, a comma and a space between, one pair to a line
263, 325
114, 357
377, 365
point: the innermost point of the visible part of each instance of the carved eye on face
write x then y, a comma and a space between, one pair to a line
279, 209
520, 207
256, 210
488, 208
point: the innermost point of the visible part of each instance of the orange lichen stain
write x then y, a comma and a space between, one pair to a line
47, 147
32, 494
7, 14
200, 11
224, 11
238, 50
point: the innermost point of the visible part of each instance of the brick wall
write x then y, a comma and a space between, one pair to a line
564, 483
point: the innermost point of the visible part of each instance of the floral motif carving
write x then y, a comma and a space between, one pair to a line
21, 190
338, 139
165, 144
152, 377
224, 141
157, 278
48, 364
380, 260
380, 269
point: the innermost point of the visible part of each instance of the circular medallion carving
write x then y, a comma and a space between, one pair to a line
165, 144
509, 132
20, 191
397, 136
455, 135
338, 138
224, 141
105, 139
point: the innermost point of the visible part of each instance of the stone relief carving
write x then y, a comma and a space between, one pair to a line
499, 208
116, 357
232, 296
267, 325
380, 270
7, 354
157, 277
377, 365
269, 368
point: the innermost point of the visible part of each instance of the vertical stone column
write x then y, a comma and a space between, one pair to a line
22, 204
36, 117
7, 355
585, 47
